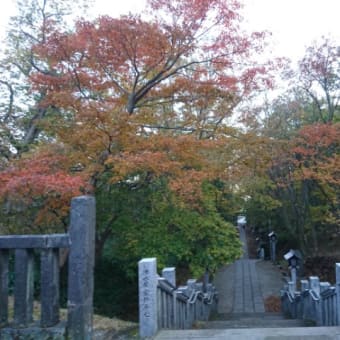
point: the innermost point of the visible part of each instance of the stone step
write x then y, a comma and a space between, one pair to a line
295, 333
238, 316
253, 323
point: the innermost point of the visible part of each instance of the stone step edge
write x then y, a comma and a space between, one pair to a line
233, 316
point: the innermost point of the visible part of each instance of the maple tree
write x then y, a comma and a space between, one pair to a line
310, 179
42, 182
134, 92
134, 101
318, 75
135, 110
20, 110
298, 187
27, 181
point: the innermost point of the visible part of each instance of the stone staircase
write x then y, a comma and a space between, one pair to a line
292, 333
252, 326
243, 287
259, 320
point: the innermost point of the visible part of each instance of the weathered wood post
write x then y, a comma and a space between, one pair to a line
23, 287
81, 264
337, 273
4, 259
49, 287
147, 290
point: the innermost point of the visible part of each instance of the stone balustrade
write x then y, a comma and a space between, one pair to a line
162, 305
316, 301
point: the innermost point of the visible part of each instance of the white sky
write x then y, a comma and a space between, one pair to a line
294, 23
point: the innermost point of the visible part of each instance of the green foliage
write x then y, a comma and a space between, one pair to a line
146, 220
141, 218
115, 294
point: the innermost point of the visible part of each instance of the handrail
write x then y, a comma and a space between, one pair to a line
317, 301
166, 285
314, 295
331, 291
290, 296
165, 306
194, 296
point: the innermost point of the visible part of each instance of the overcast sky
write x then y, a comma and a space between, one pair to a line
294, 23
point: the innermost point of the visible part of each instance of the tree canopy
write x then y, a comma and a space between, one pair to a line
154, 115
129, 102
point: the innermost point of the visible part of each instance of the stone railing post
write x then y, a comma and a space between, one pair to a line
292, 306
147, 284
169, 273
293, 277
321, 315
81, 264
337, 273
205, 279
304, 300
314, 284
304, 285
274, 251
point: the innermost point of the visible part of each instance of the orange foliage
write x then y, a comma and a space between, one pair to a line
316, 152
42, 177
138, 96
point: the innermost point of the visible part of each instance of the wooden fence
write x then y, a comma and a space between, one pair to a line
80, 241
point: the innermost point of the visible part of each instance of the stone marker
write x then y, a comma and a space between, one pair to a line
147, 283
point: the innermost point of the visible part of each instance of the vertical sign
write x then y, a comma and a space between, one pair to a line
147, 282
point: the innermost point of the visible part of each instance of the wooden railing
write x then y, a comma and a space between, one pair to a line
24, 249
162, 305
316, 301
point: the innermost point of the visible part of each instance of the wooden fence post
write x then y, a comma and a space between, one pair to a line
23, 287
49, 287
4, 259
81, 264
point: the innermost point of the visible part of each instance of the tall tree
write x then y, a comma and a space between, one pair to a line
134, 101
136, 91
319, 76
20, 110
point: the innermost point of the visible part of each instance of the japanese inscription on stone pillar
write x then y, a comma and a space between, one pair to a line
147, 271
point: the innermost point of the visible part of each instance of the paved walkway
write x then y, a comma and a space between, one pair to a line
244, 285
